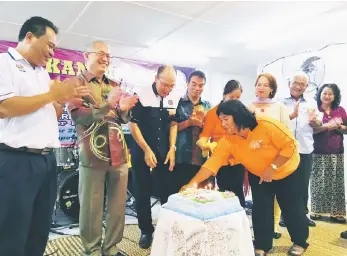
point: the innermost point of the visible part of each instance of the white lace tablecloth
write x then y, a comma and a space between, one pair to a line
180, 235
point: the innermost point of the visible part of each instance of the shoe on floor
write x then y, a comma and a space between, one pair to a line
315, 216
118, 254
311, 223
296, 250
344, 235
277, 235
145, 241
338, 219
260, 253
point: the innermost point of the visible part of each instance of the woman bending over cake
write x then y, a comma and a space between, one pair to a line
229, 177
270, 153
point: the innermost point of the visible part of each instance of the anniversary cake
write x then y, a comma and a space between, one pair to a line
203, 204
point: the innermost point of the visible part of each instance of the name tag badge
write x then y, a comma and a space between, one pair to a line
20, 68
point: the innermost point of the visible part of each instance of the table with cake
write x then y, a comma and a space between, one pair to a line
204, 222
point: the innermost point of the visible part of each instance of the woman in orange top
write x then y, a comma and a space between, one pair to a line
229, 178
269, 151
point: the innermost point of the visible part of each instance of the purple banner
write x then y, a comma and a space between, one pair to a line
68, 63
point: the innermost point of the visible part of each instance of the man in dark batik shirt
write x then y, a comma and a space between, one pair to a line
102, 154
190, 114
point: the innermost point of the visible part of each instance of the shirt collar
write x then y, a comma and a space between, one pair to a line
15, 55
90, 77
302, 99
155, 89
186, 98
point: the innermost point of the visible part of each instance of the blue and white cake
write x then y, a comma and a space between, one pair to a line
203, 204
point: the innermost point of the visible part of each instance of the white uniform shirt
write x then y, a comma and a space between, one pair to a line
302, 130
38, 129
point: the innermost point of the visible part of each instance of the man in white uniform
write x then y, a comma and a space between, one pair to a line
28, 133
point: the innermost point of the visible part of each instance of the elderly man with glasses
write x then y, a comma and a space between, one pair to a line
155, 136
102, 154
304, 116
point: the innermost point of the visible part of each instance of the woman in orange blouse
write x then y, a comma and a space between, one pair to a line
229, 178
269, 151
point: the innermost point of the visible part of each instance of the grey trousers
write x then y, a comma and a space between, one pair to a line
91, 195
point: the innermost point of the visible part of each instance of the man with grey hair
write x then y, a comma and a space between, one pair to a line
304, 116
102, 153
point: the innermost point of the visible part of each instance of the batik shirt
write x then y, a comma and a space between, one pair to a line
100, 135
187, 150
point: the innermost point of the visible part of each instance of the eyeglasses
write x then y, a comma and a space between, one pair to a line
166, 85
102, 54
299, 84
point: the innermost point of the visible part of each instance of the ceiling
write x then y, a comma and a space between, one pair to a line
225, 37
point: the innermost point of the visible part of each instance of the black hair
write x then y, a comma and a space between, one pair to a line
243, 118
197, 73
231, 86
337, 95
37, 26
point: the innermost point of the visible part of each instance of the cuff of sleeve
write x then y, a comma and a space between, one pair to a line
287, 152
212, 166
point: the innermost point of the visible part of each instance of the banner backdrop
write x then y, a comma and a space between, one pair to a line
133, 73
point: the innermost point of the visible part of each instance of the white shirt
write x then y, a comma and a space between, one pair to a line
35, 130
302, 130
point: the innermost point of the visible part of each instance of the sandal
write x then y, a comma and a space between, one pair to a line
338, 219
296, 250
315, 216
260, 253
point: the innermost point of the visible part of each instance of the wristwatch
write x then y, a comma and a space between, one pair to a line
174, 147
273, 166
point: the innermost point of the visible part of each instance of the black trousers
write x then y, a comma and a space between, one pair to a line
304, 170
231, 178
289, 198
145, 184
28, 190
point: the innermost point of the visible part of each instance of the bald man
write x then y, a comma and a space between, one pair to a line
155, 135
102, 154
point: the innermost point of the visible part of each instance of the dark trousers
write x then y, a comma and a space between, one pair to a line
289, 198
304, 170
28, 188
145, 183
184, 172
231, 178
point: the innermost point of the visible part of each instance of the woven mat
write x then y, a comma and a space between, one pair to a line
324, 241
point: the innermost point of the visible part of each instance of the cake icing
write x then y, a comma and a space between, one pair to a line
203, 204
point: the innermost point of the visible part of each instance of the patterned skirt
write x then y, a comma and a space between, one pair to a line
328, 185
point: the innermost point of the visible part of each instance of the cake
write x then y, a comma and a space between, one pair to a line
203, 204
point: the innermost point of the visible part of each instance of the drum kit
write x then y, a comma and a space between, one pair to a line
67, 186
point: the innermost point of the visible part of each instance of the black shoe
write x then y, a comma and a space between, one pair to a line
282, 224
311, 223
344, 235
145, 241
277, 235
118, 254
339, 219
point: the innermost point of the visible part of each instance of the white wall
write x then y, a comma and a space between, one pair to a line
215, 83
334, 58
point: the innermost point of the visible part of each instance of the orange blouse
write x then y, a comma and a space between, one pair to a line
212, 126
268, 140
